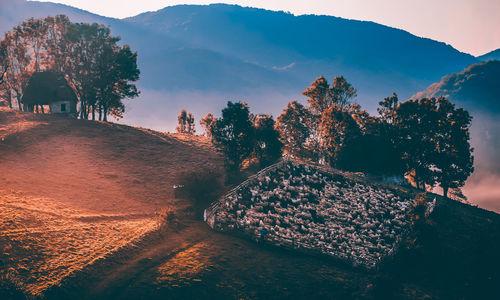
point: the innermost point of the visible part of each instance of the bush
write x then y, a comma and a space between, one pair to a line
201, 187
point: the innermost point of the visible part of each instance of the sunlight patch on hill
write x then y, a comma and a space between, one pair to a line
42, 242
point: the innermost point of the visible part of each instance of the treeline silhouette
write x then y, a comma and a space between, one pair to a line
100, 72
426, 140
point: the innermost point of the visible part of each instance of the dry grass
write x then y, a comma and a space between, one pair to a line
73, 192
41, 244
185, 267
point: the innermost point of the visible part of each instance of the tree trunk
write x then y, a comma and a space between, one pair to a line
36, 105
100, 112
82, 109
105, 114
445, 191
93, 112
41, 107
9, 99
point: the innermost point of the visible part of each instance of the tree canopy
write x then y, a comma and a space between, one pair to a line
425, 139
100, 71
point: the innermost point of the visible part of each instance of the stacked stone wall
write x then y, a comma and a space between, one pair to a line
318, 210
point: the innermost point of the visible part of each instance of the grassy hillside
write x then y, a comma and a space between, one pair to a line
72, 192
78, 207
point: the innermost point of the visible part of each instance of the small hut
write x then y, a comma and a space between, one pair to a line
50, 88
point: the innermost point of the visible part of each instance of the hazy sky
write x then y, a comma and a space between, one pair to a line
471, 26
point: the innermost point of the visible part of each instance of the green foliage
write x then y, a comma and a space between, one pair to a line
426, 139
100, 72
208, 123
452, 157
295, 126
433, 138
321, 96
338, 129
243, 137
234, 134
185, 123
267, 143
416, 122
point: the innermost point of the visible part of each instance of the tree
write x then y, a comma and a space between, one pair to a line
295, 128
3, 61
452, 158
186, 122
234, 134
181, 121
321, 96
17, 61
100, 72
416, 122
208, 123
117, 72
387, 109
267, 143
190, 124
338, 128
342, 92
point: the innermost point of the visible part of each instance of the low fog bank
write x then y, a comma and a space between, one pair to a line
483, 187
158, 110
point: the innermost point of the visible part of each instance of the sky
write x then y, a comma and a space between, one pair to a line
471, 26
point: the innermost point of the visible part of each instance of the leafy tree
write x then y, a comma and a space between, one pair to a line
190, 124
99, 71
3, 61
17, 61
387, 109
234, 134
416, 122
117, 70
338, 128
294, 126
321, 96
185, 122
342, 92
267, 143
452, 158
208, 123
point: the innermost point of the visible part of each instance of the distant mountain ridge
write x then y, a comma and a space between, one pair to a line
493, 55
304, 47
477, 87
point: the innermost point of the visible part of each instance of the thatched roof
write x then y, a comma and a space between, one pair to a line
46, 87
